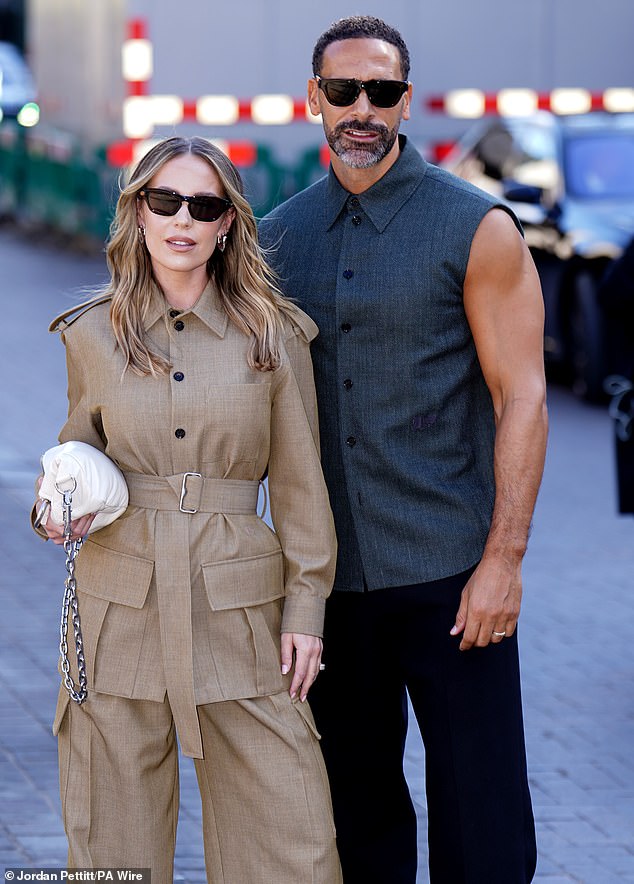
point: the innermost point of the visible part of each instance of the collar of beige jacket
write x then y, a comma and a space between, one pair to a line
207, 308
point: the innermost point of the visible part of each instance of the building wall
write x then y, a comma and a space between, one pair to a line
74, 47
246, 47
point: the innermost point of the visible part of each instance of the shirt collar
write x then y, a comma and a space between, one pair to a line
207, 308
384, 199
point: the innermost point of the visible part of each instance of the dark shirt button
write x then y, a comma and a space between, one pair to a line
180, 325
347, 383
179, 433
348, 274
178, 375
351, 441
174, 313
354, 201
356, 220
345, 327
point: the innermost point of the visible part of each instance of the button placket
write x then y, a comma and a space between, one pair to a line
349, 297
178, 357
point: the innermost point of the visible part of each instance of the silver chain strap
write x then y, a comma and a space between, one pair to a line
71, 548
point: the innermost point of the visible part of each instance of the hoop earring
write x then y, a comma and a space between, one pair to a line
221, 242
141, 232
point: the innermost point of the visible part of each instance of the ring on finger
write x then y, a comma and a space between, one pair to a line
499, 634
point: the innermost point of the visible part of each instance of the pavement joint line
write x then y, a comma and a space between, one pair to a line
17, 764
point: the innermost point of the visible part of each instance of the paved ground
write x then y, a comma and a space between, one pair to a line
578, 665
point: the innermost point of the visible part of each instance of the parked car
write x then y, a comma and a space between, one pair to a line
17, 87
570, 180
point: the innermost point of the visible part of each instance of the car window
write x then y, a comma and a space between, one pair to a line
535, 156
519, 151
600, 165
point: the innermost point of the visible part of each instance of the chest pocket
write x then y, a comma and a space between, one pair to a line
239, 418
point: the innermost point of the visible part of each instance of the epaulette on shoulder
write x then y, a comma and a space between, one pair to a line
66, 319
300, 323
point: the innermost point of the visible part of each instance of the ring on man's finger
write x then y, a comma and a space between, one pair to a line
499, 634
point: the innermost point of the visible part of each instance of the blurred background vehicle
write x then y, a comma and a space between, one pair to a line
570, 180
17, 87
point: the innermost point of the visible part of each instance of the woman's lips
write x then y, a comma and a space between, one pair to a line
180, 243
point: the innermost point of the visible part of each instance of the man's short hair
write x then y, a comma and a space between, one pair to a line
357, 27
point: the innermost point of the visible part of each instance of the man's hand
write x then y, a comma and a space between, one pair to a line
490, 604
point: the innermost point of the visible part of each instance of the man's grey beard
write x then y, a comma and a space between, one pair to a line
361, 157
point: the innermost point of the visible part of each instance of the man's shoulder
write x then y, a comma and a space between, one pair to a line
456, 194
446, 180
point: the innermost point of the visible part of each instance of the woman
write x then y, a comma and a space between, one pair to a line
193, 374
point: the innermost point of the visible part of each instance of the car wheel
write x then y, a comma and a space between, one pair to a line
586, 339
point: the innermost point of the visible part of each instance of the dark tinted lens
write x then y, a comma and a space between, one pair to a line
201, 208
381, 93
162, 203
207, 208
384, 93
341, 93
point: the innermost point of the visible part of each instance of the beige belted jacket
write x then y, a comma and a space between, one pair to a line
192, 604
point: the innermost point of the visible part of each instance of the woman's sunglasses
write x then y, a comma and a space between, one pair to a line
168, 202
381, 93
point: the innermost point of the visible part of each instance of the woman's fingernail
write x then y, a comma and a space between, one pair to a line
284, 668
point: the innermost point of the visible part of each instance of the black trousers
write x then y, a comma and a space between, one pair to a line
468, 707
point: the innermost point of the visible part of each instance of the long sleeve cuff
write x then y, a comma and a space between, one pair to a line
304, 614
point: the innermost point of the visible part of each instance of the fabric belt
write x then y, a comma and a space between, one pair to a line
193, 493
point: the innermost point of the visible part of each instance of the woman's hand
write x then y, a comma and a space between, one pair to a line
79, 528
307, 650
55, 532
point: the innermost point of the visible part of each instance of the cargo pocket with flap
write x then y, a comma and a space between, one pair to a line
246, 597
112, 590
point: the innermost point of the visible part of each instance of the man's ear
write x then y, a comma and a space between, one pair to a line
313, 97
408, 102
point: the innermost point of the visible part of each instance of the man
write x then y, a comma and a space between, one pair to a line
431, 390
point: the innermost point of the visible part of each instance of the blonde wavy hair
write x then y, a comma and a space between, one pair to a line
245, 283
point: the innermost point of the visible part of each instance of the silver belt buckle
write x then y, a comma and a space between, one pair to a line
184, 492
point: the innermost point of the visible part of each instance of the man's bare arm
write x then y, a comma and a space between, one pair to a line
504, 307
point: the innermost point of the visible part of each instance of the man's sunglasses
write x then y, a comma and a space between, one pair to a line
168, 202
381, 93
